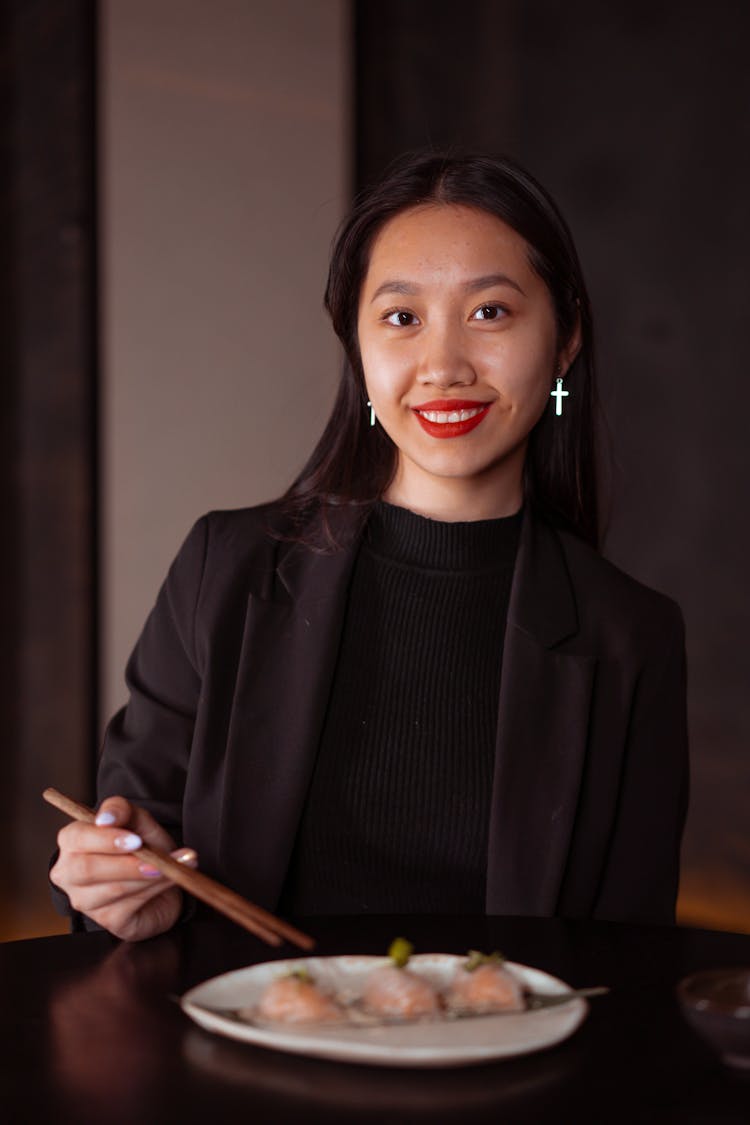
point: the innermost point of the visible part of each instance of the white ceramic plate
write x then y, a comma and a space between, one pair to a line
441, 1043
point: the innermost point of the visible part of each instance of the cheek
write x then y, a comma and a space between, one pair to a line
525, 370
386, 371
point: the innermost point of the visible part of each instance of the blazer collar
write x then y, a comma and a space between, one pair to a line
308, 572
542, 602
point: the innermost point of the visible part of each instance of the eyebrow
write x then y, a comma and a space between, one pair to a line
410, 289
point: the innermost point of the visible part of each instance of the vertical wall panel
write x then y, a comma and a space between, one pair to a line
224, 137
47, 582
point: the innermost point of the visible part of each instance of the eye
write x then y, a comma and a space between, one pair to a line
489, 312
400, 318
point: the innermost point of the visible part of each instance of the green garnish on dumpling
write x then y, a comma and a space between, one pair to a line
303, 975
399, 951
474, 959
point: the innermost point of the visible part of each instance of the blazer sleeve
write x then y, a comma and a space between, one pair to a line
147, 744
641, 875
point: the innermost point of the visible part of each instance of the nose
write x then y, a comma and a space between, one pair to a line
445, 361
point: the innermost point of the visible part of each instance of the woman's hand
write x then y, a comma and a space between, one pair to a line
112, 887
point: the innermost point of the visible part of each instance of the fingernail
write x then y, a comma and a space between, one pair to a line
187, 856
129, 842
105, 818
149, 872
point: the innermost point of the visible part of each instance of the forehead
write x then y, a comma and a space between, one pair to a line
447, 240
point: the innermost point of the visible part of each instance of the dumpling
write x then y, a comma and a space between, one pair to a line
296, 998
482, 984
395, 992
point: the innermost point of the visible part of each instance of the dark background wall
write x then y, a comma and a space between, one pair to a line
636, 117
47, 435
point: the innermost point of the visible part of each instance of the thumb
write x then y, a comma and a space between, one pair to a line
187, 856
114, 811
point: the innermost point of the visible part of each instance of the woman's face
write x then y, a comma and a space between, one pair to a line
459, 348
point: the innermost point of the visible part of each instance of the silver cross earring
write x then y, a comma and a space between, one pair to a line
559, 394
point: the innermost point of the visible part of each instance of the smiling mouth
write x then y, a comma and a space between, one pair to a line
448, 420
444, 416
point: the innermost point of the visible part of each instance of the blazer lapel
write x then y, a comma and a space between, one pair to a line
542, 729
289, 650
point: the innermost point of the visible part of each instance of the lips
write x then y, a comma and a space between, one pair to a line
448, 418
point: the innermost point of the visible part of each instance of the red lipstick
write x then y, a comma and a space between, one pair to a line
450, 406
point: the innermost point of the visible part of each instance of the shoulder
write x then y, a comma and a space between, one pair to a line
274, 529
225, 543
227, 539
610, 600
237, 532
225, 535
246, 549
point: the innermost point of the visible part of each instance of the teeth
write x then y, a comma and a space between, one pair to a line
444, 416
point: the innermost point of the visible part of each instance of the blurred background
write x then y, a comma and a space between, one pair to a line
172, 174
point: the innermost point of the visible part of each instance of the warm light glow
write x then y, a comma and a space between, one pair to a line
714, 900
17, 924
709, 899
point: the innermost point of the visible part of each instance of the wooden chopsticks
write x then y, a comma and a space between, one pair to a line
254, 918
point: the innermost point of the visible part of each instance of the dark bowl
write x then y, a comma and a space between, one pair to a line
716, 1004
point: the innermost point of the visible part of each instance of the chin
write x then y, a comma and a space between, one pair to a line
464, 466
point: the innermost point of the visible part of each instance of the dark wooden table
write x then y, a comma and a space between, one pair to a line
90, 1032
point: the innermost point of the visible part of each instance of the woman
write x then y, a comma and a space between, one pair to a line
412, 684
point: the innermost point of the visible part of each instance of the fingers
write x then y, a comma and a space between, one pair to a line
100, 852
100, 870
80, 837
114, 810
131, 909
84, 869
117, 891
187, 856
117, 811
101, 855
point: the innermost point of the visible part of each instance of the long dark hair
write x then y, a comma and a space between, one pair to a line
353, 464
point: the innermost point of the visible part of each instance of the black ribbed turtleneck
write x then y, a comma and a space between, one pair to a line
396, 819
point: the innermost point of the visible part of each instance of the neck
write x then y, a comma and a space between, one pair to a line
455, 500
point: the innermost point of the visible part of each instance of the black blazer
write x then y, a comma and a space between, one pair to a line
230, 679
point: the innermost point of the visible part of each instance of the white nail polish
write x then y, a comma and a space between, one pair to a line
129, 842
105, 818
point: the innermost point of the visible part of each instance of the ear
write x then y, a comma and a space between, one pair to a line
567, 355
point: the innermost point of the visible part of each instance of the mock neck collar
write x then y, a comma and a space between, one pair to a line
402, 536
